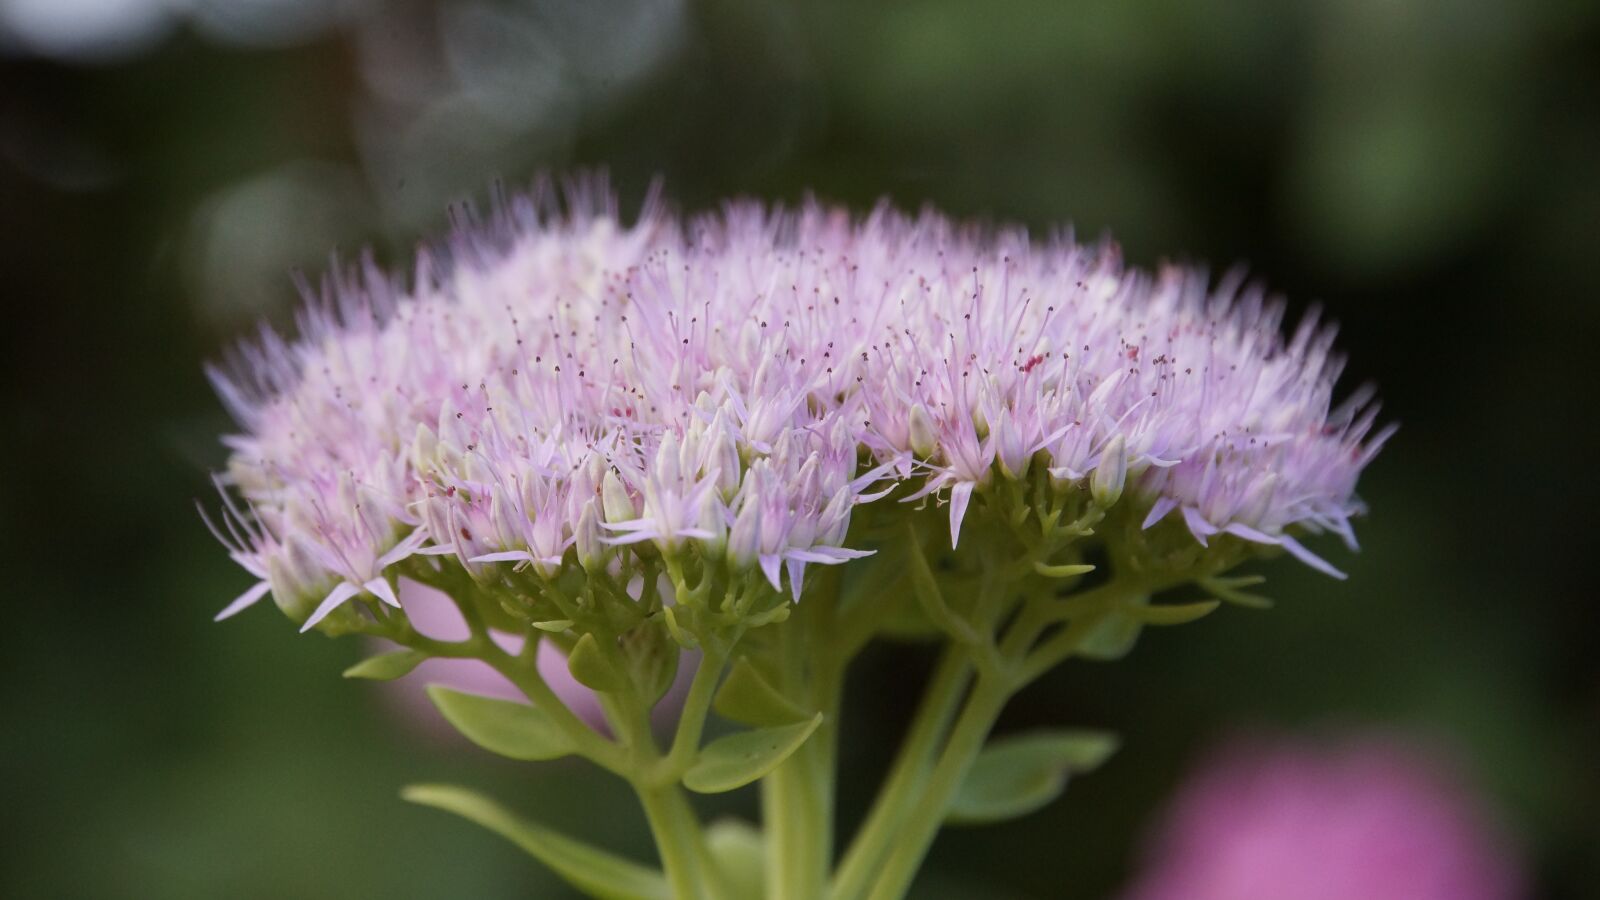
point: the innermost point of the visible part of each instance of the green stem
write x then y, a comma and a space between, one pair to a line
685, 859
678, 841
523, 673
915, 834
696, 706
793, 797
911, 766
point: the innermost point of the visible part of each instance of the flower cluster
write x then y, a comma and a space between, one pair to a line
554, 385
1360, 817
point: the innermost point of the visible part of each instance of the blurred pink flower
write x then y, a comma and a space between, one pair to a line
433, 614
1358, 818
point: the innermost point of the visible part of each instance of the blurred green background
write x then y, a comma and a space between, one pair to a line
1427, 169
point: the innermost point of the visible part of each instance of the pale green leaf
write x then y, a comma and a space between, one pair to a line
749, 699
510, 729
589, 869
1019, 774
738, 759
592, 670
386, 666
1112, 637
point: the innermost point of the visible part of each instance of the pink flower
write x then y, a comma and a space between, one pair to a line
1360, 818
737, 383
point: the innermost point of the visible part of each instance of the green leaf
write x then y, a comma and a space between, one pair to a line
592, 670
740, 855
1020, 774
1175, 614
386, 666
738, 759
589, 869
510, 729
1112, 637
749, 699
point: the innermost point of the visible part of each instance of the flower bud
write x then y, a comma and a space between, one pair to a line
744, 540
835, 520
504, 514
298, 581
371, 507
1010, 450
614, 499
725, 457
586, 540
424, 446
667, 469
1105, 485
980, 422
711, 520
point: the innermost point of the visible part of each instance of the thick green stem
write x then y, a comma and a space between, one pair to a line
685, 859
915, 834
910, 769
678, 841
797, 797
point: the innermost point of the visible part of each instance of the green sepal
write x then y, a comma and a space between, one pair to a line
386, 666
738, 759
1174, 614
740, 856
1228, 589
652, 656
516, 730
1020, 774
748, 698
1066, 571
590, 668
593, 871
772, 616
554, 626
680, 634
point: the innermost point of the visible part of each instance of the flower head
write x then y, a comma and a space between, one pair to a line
736, 384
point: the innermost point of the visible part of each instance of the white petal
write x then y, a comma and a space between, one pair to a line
333, 601
1158, 512
244, 601
1299, 552
960, 496
379, 587
403, 549
797, 572
769, 565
